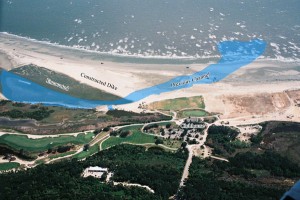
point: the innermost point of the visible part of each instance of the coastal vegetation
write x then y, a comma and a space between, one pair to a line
37, 115
279, 136
282, 137
39, 75
132, 117
52, 119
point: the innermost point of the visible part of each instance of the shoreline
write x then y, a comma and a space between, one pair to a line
259, 77
110, 56
148, 59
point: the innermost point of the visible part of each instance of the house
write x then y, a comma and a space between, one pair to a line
192, 126
96, 172
97, 169
192, 120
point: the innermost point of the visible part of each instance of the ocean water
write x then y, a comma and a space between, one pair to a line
157, 28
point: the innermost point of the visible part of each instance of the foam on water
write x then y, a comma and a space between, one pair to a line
153, 25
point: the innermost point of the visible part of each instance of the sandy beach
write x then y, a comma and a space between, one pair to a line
255, 85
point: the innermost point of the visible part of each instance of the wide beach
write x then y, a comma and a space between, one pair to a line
255, 80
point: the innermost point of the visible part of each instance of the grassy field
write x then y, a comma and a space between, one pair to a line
192, 113
178, 104
18, 142
93, 149
7, 166
39, 75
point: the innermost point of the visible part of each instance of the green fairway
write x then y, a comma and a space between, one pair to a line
84, 154
178, 103
7, 166
18, 142
192, 113
136, 137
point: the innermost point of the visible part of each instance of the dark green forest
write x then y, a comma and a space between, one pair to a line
155, 168
219, 138
240, 178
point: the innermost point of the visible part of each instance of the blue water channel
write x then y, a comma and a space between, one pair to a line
234, 55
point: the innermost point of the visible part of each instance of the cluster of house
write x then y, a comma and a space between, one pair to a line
190, 129
193, 123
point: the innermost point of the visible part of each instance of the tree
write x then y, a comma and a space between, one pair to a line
97, 131
106, 129
159, 141
49, 150
124, 134
162, 131
183, 145
86, 147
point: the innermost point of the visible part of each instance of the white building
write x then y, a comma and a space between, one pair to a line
96, 169
96, 172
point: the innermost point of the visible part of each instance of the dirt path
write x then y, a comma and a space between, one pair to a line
193, 151
98, 138
219, 158
161, 145
134, 185
104, 139
185, 173
18, 160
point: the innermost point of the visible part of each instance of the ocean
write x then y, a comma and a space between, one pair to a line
179, 29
